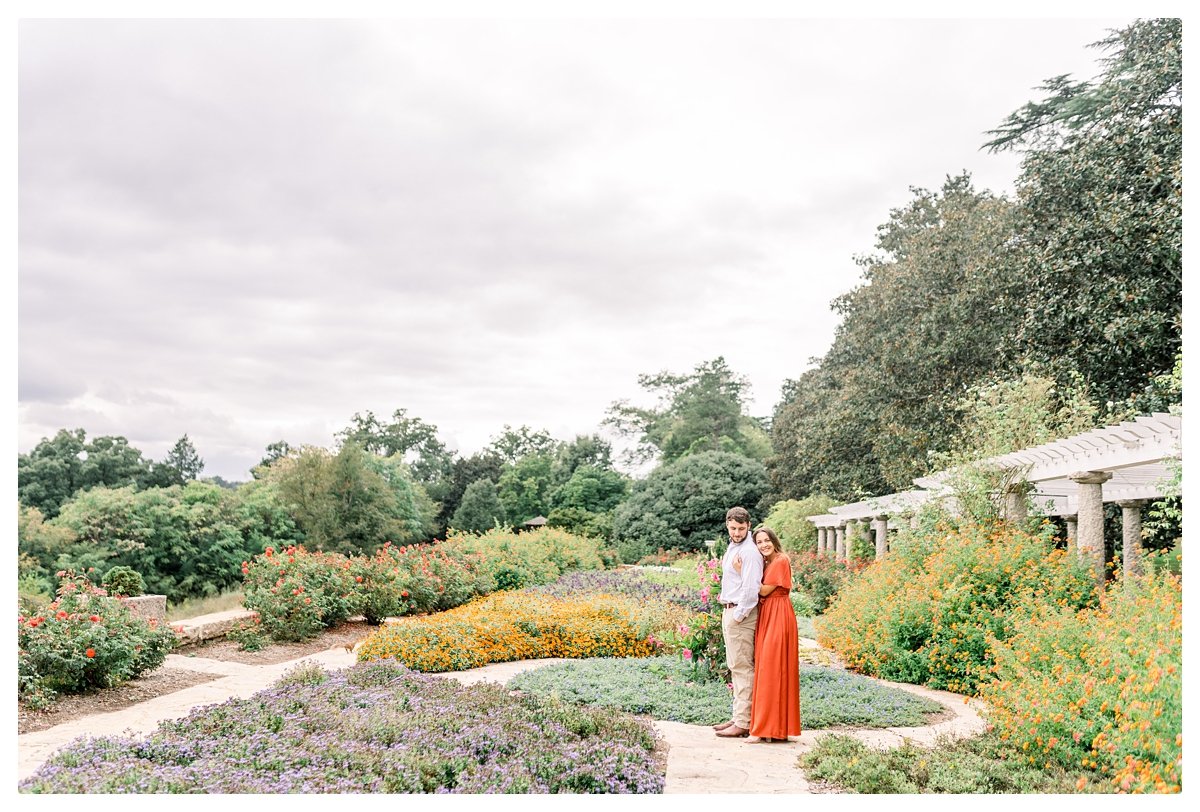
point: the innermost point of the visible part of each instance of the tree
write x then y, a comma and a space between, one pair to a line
414, 440
513, 444
700, 411
592, 489
485, 464
58, 468
525, 485
183, 459
585, 450
350, 502
480, 509
42, 542
275, 451
1100, 234
681, 504
185, 541
789, 520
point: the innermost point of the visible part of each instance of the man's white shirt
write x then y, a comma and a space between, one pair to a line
741, 588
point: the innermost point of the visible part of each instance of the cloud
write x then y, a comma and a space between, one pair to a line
248, 230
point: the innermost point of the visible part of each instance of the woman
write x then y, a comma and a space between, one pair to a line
775, 706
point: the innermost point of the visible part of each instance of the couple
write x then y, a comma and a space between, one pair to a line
759, 626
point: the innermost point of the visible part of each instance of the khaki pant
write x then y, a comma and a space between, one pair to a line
739, 656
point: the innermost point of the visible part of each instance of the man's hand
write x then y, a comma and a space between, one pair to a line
737, 564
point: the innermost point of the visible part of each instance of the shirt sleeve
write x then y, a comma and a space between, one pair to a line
752, 572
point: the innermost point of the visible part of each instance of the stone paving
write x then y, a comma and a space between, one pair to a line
697, 761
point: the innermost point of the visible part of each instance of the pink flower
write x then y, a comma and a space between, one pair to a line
687, 654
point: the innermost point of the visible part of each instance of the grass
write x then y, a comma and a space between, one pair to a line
981, 765
670, 689
194, 607
804, 625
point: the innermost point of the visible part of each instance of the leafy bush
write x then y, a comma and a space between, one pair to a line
1099, 690
789, 520
931, 611
820, 577
297, 593
124, 581
516, 560
249, 636
680, 504
373, 728
85, 640
983, 764
802, 605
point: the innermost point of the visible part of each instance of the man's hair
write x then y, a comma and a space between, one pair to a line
738, 514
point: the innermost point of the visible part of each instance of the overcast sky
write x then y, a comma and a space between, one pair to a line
247, 231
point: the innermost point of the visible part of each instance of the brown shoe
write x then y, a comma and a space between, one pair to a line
722, 726
733, 732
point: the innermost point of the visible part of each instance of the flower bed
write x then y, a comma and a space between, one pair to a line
373, 728
297, 593
1099, 690
928, 613
521, 626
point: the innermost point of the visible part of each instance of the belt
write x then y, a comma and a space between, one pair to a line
728, 605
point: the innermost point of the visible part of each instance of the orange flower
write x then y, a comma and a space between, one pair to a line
90, 653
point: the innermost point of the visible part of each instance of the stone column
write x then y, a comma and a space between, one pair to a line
881, 530
1072, 532
840, 536
820, 541
1131, 536
1016, 509
1090, 541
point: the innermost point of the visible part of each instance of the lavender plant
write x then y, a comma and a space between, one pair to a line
373, 728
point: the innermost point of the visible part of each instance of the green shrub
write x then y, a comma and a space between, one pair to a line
124, 581
249, 636
820, 577
789, 520
802, 605
928, 613
981, 765
297, 593
85, 640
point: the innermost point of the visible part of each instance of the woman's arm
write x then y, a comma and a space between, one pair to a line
766, 589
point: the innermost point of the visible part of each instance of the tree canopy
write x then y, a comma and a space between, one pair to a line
1077, 280
704, 410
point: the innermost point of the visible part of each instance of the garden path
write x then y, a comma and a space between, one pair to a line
697, 763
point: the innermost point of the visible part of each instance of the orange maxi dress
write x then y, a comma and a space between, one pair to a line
775, 705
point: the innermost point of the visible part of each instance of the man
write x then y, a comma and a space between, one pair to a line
741, 577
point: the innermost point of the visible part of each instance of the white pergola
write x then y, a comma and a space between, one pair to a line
1071, 478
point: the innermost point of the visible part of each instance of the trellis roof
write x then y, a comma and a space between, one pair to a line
1136, 452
